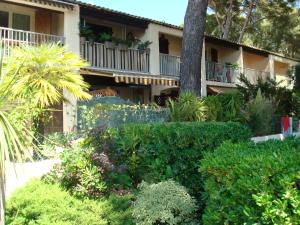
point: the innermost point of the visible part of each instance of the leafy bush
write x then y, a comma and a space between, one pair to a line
54, 143
249, 183
46, 204
225, 107
158, 152
164, 203
214, 110
188, 107
297, 78
286, 101
78, 173
260, 114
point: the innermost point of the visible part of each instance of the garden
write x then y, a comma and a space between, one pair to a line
192, 162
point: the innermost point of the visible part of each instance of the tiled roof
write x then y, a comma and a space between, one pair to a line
147, 20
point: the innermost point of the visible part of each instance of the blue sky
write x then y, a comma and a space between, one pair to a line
170, 11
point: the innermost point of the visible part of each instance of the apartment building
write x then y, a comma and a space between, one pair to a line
141, 72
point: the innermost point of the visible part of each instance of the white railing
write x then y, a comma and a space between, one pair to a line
219, 72
169, 65
10, 38
112, 58
253, 75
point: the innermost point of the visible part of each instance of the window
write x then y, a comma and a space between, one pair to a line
163, 45
4, 19
21, 22
214, 55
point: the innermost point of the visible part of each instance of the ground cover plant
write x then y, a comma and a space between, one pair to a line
44, 204
249, 183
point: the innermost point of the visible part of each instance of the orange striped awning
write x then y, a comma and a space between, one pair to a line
145, 80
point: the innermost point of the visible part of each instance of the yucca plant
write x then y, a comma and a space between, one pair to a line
188, 107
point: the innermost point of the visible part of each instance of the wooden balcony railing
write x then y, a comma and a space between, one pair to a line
169, 65
10, 38
112, 58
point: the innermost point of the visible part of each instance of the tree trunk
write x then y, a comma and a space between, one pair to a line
193, 34
228, 20
248, 17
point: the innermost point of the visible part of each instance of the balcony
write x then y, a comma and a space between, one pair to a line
112, 58
223, 73
215, 72
169, 65
10, 38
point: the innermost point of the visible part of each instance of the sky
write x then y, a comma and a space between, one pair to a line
162, 10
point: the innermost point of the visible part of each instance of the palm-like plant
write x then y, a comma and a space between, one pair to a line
46, 71
11, 146
37, 76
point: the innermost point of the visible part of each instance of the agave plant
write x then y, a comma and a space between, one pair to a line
187, 107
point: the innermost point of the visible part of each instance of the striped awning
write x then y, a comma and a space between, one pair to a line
145, 80
132, 78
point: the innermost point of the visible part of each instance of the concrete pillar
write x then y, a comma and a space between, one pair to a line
152, 35
72, 41
271, 67
240, 64
241, 58
203, 72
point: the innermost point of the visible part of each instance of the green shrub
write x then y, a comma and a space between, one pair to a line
78, 173
260, 115
164, 203
214, 108
297, 79
225, 107
188, 107
249, 183
47, 204
53, 142
158, 152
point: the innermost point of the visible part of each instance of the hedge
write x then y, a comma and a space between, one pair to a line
249, 183
161, 151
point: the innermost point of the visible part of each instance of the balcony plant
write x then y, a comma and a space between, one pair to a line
107, 39
123, 45
143, 46
86, 33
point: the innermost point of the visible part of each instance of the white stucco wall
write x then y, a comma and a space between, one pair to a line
71, 33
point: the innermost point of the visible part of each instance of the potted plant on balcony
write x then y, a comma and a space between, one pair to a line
123, 45
107, 38
86, 33
143, 46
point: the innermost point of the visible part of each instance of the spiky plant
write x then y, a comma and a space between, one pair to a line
188, 107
